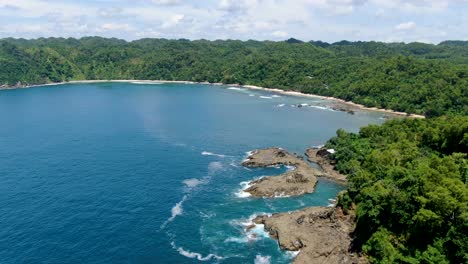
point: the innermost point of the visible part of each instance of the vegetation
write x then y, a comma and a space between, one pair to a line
417, 78
408, 181
407, 178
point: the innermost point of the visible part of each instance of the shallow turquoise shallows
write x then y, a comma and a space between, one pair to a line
138, 173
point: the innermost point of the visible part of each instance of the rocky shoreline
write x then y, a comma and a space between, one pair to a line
302, 179
298, 181
321, 235
321, 156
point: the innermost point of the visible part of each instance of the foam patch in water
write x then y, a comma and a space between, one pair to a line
175, 211
207, 153
251, 231
242, 193
259, 259
195, 255
192, 183
236, 89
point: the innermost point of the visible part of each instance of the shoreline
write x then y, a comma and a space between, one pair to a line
252, 87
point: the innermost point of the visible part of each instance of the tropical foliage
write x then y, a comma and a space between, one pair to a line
408, 181
416, 77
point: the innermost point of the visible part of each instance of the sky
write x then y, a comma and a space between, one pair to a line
327, 20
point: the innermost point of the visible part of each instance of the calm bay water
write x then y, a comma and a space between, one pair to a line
133, 173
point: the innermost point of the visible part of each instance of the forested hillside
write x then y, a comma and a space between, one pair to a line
407, 181
417, 78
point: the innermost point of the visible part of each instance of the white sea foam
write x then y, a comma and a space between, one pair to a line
207, 215
304, 104
192, 183
251, 95
175, 211
242, 193
259, 259
266, 97
251, 231
236, 89
275, 96
280, 105
293, 254
321, 107
281, 195
195, 255
207, 153
214, 167
290, 168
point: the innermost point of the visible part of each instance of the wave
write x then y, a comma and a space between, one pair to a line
195, 255
259, 259
275, 96
266, 97
322, 107
251, 95
242, 193
207, 153
280, 105
175, 211
236, 89
251, 231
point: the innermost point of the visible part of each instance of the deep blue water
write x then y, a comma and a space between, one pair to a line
122, 173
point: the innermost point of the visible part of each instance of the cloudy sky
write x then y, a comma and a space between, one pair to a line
327, 20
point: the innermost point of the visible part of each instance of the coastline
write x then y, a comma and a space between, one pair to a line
252, 87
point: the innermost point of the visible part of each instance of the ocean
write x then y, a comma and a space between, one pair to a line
149, 173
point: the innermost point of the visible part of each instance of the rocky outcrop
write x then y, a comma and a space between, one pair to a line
321, 156
302, 179
323, 235
343, 108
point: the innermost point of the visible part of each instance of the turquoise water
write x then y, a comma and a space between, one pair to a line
133, 173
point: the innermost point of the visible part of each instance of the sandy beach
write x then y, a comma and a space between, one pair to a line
253, 87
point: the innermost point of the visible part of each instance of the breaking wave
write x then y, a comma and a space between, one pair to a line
207, 153
195, 255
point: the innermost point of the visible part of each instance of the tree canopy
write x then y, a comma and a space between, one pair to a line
407, 180
416, 77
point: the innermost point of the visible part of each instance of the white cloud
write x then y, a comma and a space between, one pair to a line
328, 20
173, 21
115, 27
406, 26
167, 2
280, 34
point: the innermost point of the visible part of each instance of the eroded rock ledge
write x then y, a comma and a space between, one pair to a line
323, 235
299, 181
321, 156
